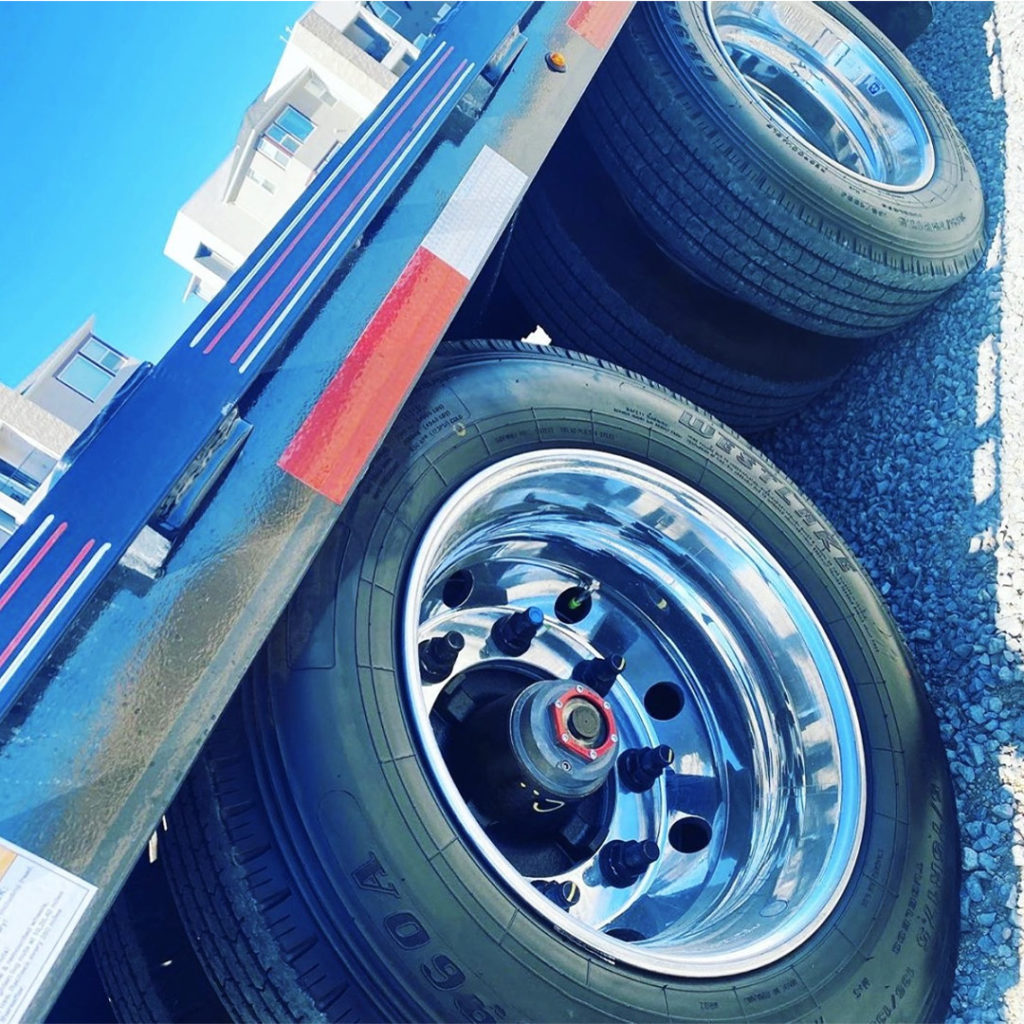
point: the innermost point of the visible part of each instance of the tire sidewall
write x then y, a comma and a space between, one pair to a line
380, 846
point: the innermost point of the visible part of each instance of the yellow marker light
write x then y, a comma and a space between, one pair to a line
556, 61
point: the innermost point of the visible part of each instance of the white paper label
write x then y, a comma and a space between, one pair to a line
40, 904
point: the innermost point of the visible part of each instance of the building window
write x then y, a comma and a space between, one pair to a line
390, 17
284, 135
103, 355
319, 91
15, 483
91, 369
262, 180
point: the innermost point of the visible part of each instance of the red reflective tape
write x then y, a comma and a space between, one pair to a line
337, 439
30, 568
46, 601
599, 22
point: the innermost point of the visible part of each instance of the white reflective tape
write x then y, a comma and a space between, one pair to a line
40, 904
476, 213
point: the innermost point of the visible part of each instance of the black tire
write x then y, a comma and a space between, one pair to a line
148, 969
315, 786
594, 280
753, 209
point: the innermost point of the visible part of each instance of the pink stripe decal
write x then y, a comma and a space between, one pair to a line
46, 601
327, 201
30, 568
301, 273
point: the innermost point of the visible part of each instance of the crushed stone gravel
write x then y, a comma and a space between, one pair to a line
917, 457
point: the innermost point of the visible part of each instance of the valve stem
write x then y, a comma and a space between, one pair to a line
573, 605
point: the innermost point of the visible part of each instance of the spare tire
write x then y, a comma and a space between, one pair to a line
441, 785
788, 154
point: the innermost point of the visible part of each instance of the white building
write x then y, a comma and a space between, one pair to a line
42, 416
340, 60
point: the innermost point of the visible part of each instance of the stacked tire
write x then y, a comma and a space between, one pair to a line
784, 158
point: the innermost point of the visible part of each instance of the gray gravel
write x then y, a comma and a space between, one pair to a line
918, 459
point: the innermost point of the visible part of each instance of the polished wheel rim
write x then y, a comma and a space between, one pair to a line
632, 713
823, 84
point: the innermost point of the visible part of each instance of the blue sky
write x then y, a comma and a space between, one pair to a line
115, 113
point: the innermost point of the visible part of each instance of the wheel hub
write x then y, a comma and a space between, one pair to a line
675, 746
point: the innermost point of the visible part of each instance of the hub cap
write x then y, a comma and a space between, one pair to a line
728, 827
823, 84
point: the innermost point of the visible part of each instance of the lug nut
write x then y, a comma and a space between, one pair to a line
600, 673
623, 861
641, 767
563, 894
514, 633
438, 656
573, 605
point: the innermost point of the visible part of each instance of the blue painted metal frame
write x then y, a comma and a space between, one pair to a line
75, 537
93, 753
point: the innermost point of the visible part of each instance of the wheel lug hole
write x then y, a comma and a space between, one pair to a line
690, 834
457, 588
664, 701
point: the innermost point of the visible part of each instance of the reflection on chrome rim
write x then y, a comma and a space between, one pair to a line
823, 84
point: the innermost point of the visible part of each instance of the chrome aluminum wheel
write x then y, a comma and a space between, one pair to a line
728, 842
816, 78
